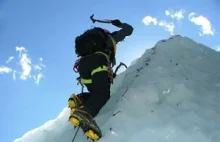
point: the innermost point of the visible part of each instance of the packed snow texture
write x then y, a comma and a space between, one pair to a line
170, 94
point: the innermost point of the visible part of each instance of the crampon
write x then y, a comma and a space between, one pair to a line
83, 120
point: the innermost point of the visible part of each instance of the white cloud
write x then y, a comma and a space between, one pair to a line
175, 15
40, 65
167, 12
4, 69
148, 20
27, 69
10, 59
21, 49
37, 78
26, 66
203, 22
25, 63
37, 67
168, 26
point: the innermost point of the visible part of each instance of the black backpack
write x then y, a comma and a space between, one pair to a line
91, 41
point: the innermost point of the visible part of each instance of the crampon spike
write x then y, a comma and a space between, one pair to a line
92, 135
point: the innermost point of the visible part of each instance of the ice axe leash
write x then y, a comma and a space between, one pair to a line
75, 134
100, 21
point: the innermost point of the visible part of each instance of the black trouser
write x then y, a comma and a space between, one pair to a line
94, 101
99, 89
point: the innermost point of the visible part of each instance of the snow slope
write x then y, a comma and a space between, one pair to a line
170, 94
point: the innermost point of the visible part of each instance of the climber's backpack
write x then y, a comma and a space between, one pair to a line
91, 41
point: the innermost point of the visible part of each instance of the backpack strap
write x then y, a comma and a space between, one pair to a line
107, 57
110, 66
114, 44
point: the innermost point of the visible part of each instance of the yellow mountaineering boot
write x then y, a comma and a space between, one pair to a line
74, 101
82, 118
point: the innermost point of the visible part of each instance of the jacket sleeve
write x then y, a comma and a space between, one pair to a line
126, 30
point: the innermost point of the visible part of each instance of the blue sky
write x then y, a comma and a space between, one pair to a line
37, 48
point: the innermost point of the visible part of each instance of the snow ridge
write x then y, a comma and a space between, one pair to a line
171, 93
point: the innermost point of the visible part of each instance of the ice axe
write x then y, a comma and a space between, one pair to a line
100, 21
117, 68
